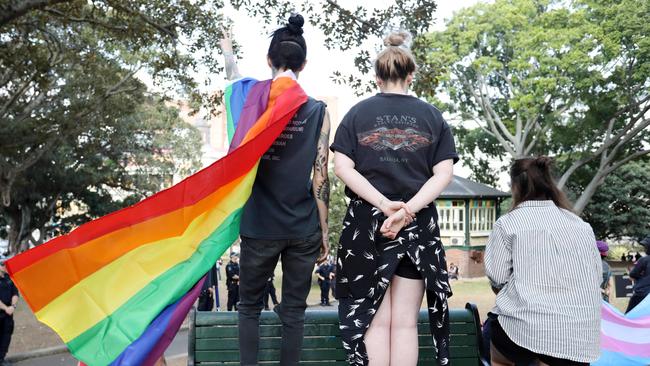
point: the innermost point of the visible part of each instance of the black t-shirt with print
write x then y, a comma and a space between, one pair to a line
394, 141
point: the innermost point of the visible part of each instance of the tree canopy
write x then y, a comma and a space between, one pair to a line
75, 115
621, 206
566, 79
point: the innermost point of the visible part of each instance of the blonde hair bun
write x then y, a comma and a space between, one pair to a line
397, 39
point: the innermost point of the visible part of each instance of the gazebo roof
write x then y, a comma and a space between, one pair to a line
465, 188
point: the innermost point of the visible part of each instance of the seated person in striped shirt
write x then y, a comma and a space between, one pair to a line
548, 304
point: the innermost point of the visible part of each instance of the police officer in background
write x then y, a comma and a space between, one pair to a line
232, 281
8, 300
206, 298
325, 273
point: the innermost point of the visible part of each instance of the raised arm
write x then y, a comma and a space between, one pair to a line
230, 62
321, 185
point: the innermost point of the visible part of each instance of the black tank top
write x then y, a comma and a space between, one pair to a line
282, 204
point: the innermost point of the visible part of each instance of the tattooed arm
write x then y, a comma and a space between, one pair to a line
321, 184
232, 71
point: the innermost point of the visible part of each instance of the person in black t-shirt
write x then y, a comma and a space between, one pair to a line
395, 154
8, 301
286, 215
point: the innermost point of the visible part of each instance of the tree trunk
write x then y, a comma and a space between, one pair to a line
19, 228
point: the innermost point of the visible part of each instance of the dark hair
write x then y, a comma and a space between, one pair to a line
395, 62
531, 180
288, 48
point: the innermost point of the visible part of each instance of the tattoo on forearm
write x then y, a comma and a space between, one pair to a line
323, 189
323, 192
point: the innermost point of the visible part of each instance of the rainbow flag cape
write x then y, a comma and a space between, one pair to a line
625, 338
117, 286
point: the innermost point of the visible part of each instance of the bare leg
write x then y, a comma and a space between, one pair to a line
497, 359
406, 299
377, 338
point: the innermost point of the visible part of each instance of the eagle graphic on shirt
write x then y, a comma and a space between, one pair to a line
384, 138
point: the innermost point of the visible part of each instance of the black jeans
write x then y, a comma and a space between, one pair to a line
6, 330
258, 260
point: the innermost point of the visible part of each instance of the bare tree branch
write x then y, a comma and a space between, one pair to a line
488, 106
625, 160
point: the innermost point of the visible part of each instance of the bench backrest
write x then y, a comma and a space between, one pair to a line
214, 339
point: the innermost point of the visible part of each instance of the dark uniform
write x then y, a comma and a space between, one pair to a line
324, 270
232, 269
7, 291
206, 298
270, 292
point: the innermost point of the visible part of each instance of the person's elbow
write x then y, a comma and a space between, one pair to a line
444, 171
339, 170
342, 165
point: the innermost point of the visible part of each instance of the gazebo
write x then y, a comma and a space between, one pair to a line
467, 211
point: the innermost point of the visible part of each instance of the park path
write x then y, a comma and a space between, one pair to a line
177, 349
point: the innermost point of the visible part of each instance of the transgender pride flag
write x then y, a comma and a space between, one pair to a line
625, 338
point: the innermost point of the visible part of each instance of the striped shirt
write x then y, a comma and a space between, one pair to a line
545, 261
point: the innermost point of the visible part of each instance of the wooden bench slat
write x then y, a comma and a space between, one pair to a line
266, 343
276, 363
267, 331
312, 317
311, 330
454, 362
330, 355
272, 354
457, 340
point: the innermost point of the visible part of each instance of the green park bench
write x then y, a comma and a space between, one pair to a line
213, 338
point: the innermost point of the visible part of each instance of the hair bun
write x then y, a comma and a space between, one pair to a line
296, 21
543, 162
396, 39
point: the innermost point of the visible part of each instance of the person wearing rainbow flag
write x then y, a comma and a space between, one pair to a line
286, 214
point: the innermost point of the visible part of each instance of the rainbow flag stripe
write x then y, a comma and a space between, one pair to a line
102, 285
625, 338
